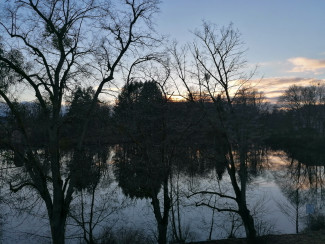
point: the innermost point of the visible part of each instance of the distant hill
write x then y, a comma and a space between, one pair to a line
4, 108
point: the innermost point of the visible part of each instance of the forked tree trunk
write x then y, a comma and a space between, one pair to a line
162, 219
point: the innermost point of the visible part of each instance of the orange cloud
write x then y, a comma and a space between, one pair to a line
274, 87
306, 64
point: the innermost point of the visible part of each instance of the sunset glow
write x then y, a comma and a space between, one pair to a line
287, 48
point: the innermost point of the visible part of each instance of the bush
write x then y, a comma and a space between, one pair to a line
316, 222
125, 236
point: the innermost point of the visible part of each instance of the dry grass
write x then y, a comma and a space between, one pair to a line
313, 237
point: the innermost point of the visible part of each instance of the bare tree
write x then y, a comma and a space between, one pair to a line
49, 45
220, 58
306, 105
222, 73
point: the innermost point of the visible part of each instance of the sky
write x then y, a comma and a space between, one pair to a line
286, 38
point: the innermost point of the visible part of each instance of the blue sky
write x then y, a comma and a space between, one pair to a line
285, 38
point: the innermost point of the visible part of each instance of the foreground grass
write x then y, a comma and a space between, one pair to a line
312, 237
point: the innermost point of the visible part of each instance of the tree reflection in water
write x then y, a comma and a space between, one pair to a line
302, 181
138, 174
141, 175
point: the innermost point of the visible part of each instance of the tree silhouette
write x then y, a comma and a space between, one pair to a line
140, 116
220, 73
50, 47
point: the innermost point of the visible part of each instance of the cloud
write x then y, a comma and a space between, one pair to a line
306, 64
274, 87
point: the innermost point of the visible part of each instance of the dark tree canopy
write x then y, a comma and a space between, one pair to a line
139, 110
138, 93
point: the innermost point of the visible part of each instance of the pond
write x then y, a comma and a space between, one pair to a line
131, 185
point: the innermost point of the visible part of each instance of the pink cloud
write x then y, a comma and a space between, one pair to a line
306, 64
275, 86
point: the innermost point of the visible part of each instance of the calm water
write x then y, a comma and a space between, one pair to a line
278, 188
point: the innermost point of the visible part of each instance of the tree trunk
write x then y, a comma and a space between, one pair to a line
243, 211
58, 229
59, 209
162, 233
248, 222
162, 219
162, 222
297, 211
